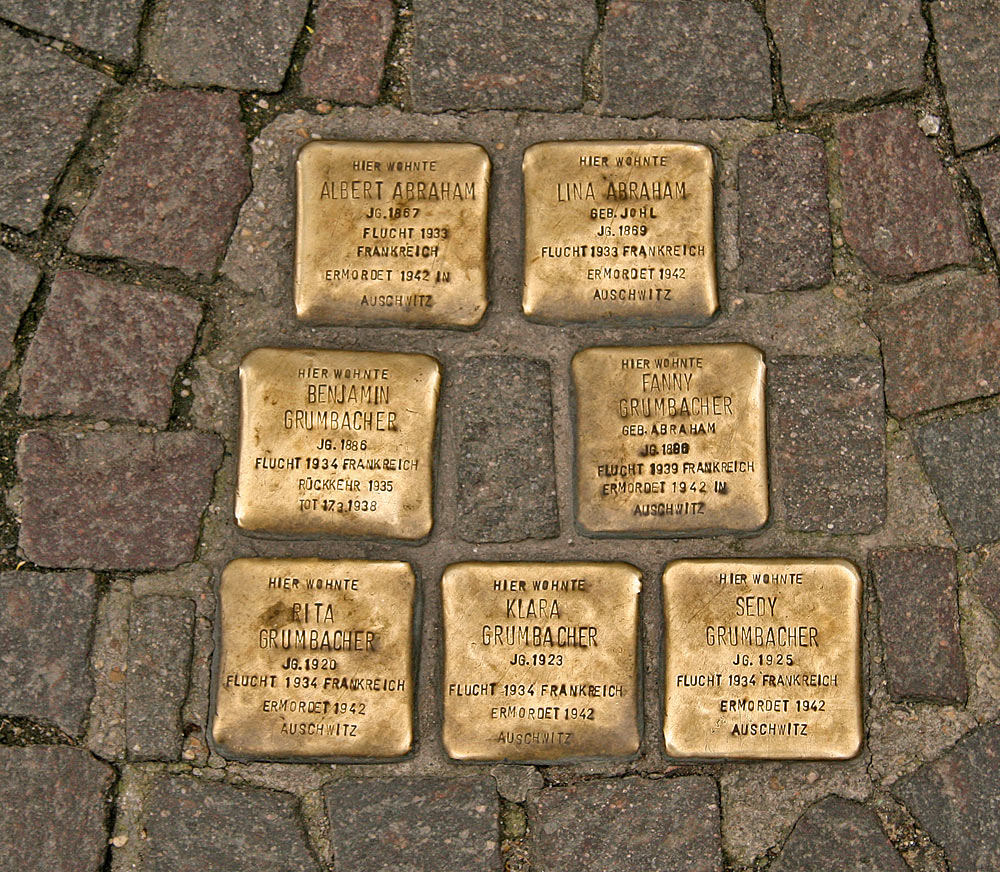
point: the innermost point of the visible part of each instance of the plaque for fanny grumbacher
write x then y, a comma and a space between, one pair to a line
619, 230
763, 659
540, 660
391, 233
336, 442
314, 659
670, 439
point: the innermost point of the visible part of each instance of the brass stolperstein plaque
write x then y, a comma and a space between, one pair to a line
763, 659
336, 442
540, 660
619, 230
670, 439
314, 659
391, 233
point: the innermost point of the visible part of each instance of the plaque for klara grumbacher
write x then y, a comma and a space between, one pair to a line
391, 233
314, 660
763, 659
336, 442
619, 230
541, 661
670, 440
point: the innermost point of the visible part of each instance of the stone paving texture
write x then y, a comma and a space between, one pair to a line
984, 172
986, 583
107, 350
18, 283
54, 809
117, 500
108, 27
784, 214
45, 626
413, 824
170, 192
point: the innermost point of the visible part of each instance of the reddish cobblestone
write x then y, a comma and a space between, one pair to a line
18, 283
984, 172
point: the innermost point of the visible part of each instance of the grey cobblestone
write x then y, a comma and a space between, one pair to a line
108, 27
18, 283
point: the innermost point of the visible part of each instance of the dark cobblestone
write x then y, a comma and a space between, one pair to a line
968, 57
522, 54
941, 347
201, 826
918, 615
784, 214
54, 812
827, 429
107, 27
47, 102
835, 52
159, 663
901, 213
245, 45
120, 500
18, 283
955, 799
962, 462
671, 824
985, 583
838, 834
703, 59
984, 172
107, 350
414, 824
346, 59
506, 470
45, 622
170, 193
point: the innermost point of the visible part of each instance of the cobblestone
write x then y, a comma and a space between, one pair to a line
18, 283
985, 583
107, 350
984, 172
107, 27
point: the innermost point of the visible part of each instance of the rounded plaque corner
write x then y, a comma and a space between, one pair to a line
854, 748
310, 146
253, 358
528, 157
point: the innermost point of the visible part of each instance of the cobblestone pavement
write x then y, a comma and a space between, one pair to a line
146, 209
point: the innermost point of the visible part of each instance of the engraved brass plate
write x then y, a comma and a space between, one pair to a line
336, 442
314, 659
391, 233
670, 439
619, 230
540, 660
763, 659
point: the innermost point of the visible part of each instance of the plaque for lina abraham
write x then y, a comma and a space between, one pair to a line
670, 440
619, 230
391, 233
314, 659
336, 442
540, 660
763, 659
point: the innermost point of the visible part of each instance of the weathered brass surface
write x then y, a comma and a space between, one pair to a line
336, 442
670, 439
763, 659
617, 229
540, 660
314, 659
391, 233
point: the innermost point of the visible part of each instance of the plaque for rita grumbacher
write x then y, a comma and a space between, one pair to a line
391, 233
619, 230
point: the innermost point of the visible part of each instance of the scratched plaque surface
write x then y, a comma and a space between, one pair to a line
671, 439
763, 659
540, 660
314, 659
391, 233
619, 230
336, 442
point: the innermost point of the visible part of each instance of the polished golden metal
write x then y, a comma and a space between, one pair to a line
314, 660
541, 661
670, 439
336, 442
619, 230
391, 233
763, 659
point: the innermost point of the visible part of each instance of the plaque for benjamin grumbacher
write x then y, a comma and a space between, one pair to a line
391, 233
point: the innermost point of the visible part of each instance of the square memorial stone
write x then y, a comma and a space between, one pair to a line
619, 230
336, 442
314, 660
540, 661
763, 659
670, 439
391, 233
